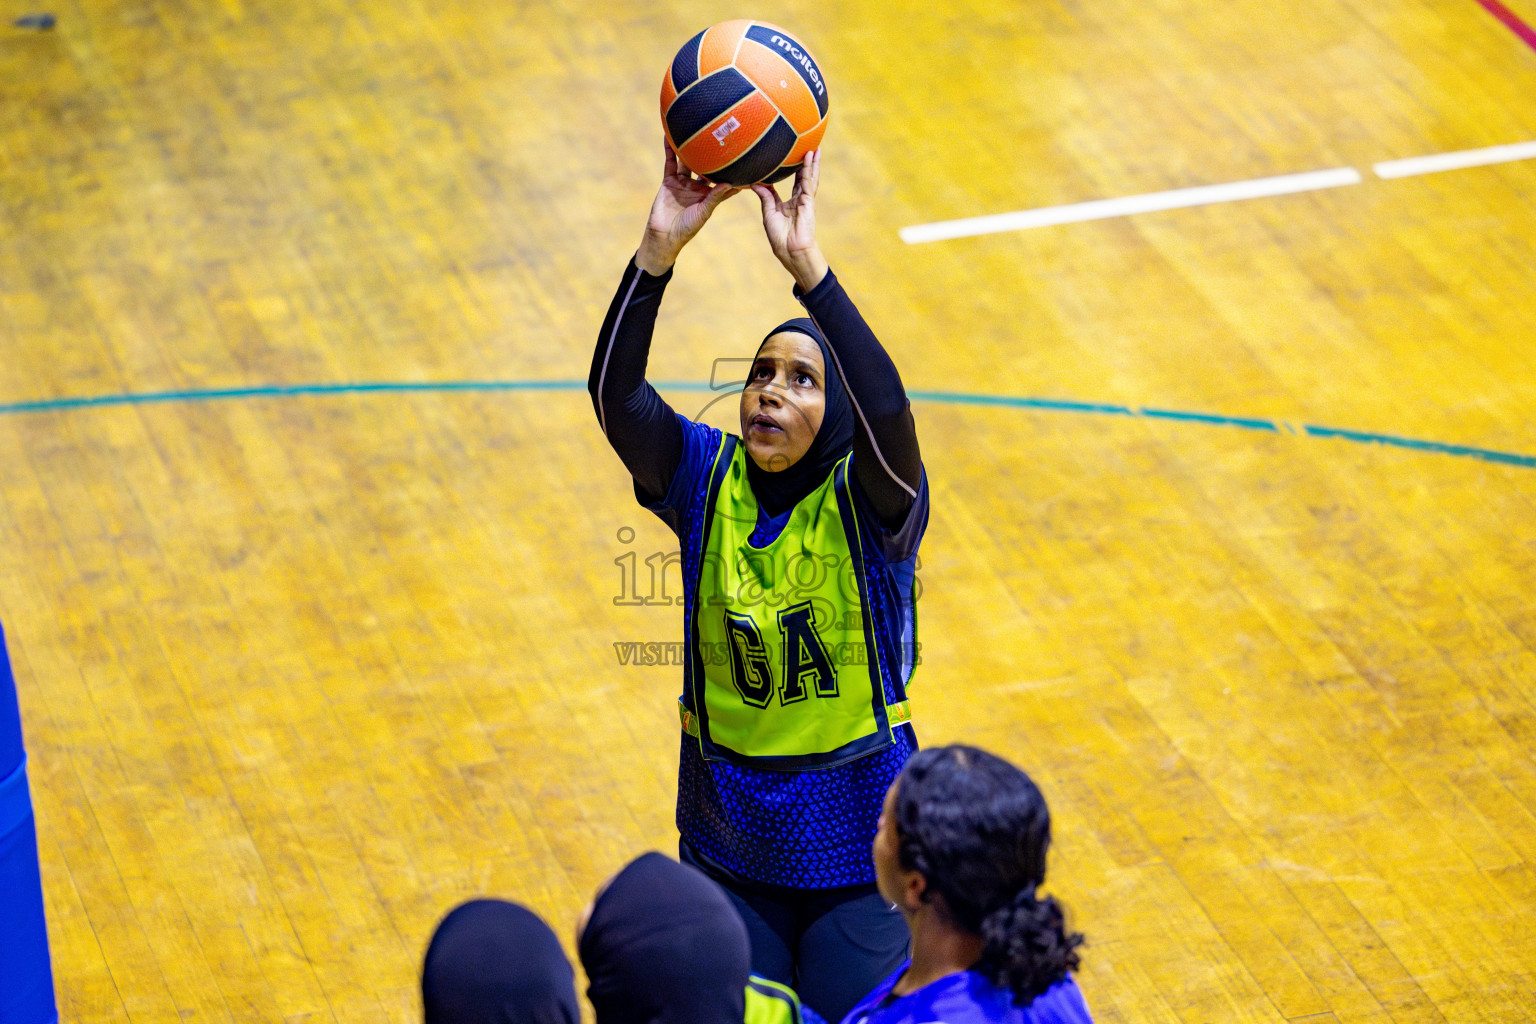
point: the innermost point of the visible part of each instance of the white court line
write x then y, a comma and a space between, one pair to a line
1455, 161
1126, 205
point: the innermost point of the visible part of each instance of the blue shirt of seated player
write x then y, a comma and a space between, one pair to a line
960, 850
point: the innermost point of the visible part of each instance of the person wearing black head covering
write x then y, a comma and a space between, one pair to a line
799, 540
661, 944
782, 484
493, 962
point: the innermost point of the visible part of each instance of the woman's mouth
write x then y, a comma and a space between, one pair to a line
764, 423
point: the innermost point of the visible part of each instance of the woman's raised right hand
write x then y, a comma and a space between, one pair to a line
683, 204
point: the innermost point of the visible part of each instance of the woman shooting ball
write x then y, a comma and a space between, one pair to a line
799, 542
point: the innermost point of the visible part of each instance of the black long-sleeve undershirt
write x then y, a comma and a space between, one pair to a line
640, 426
644, 431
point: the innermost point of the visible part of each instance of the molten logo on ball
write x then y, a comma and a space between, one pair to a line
802, 59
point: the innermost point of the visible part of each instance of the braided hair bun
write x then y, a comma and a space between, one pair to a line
977, 829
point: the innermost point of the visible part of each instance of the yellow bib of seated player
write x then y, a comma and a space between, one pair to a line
786, 671
768, 1002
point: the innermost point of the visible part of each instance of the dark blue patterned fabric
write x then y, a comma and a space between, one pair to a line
808, 829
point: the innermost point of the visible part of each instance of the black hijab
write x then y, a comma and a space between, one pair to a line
664, 945
493, 962
779, 491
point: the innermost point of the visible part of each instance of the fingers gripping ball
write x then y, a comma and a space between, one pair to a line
743, 102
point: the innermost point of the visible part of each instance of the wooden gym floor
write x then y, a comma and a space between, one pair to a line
312, 556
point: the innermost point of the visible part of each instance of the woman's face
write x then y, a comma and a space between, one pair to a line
886, 851
784, 400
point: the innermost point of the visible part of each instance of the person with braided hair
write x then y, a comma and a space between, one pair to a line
960, 851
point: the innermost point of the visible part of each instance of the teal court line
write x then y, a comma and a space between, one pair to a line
939, 397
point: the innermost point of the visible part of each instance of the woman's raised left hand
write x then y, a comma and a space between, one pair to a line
791, 224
